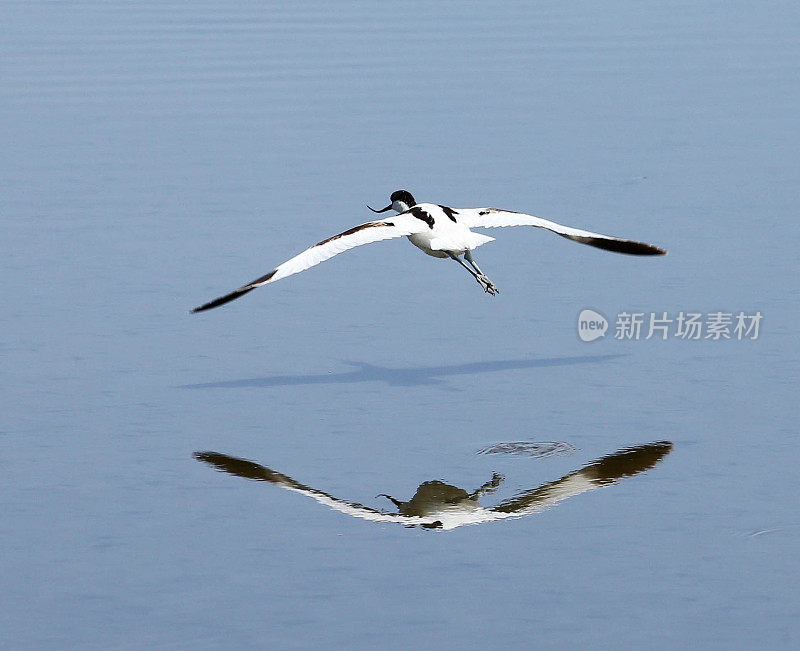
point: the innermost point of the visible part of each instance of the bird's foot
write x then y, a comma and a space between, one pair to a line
488, 286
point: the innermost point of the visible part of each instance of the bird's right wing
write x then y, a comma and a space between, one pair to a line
382, 229
493, 217
603, 472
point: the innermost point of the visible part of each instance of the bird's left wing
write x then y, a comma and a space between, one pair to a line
251, 470
382, 229
492, 217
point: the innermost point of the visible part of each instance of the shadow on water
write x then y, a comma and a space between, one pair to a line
437, 505
421, 375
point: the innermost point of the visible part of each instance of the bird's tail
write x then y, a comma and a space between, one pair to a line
445, 244
480, 238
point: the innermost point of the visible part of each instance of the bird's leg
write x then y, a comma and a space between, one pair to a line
469, 258
482, 278
489, 487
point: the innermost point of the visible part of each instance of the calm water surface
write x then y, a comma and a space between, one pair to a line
640, 493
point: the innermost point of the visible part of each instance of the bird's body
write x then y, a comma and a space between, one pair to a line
439, 231
447, 235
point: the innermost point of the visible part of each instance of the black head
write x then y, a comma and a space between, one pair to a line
401, 200
404, 196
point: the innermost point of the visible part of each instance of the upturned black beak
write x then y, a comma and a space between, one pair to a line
389, 207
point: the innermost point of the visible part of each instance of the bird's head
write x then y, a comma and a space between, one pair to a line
401, 200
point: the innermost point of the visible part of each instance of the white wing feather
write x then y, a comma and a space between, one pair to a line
375, 231
492, 217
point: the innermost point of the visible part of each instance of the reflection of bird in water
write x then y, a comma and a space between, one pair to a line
434, 497
437, 505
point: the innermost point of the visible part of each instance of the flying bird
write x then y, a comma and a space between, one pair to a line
440, 231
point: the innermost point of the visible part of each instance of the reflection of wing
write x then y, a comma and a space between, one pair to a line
603, 472
492, 217
251, 470
444, 507
382, 229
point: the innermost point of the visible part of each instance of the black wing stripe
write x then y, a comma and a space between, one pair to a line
419, 213
352, 231
450, 212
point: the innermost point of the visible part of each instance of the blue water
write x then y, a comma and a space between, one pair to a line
156, 155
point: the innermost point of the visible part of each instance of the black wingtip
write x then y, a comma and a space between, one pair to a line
625, 246
235, 293
630, 461
222, 300
233, 465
